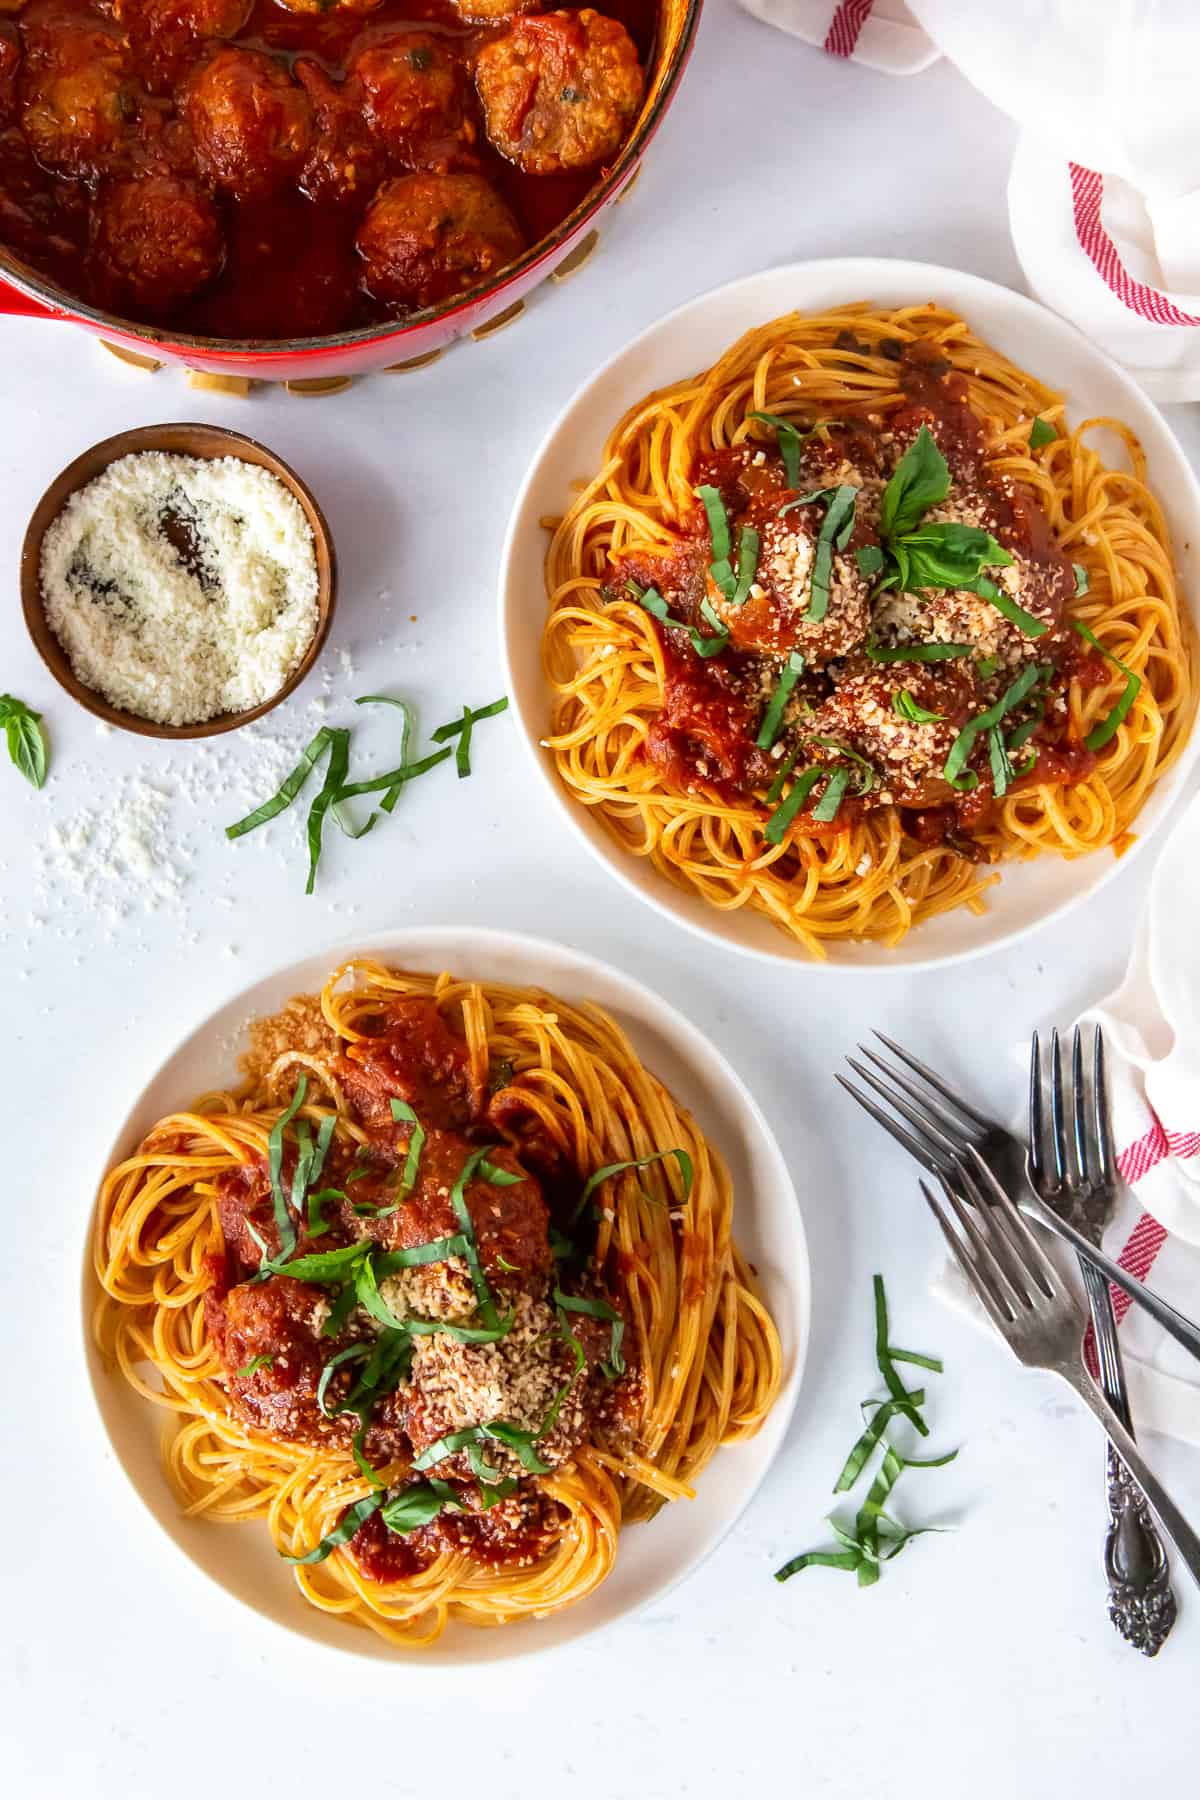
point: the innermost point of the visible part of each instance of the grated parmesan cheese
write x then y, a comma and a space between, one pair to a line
180, 588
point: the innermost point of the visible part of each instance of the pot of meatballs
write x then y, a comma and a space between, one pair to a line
292, 188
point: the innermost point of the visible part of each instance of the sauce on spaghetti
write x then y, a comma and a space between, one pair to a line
882, 676
502, 1329
268, 169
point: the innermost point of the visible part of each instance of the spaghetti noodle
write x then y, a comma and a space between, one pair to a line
484, 1188
672, 631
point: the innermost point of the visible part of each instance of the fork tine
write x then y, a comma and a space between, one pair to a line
1078, 1103
1036, 1162
1034, 1261
911, 1144
1103, 1122
957, 1135
958, 1252
1056, 1111
937, 1083
920, 1121
974, 1222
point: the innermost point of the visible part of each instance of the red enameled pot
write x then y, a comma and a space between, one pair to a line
24, 291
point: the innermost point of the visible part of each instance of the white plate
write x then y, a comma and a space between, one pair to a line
690, 339
651, 1558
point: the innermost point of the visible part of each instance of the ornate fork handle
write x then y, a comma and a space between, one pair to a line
1140, 1602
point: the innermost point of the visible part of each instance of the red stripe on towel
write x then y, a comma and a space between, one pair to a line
1087, 194
845, 26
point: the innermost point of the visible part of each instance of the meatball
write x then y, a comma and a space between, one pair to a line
345, 159
157, 241
78, 97
252, 124
560, 91
199, 18
414, 97
907, 757
773, 617
428, 237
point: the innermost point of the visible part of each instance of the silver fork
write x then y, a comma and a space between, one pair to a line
1073, 1171
945, 1129
1040, 1319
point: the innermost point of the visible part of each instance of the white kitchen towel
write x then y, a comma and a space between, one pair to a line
1151, 1030
1104, 191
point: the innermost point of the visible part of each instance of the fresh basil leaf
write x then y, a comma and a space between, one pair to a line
642, 1162
444, 733
407, 727
415, 1506
437, 1250
598, 1309
450, 1445
365, 1468
987, 666
1082, 582
772, 721
481, 1469
318, 1224
718, 522
862, 1451
829, 805
654, 603
1107, 728
366, 1289
352, 1519
1041, 432
389, 1363
265, 1361
777, 825
336, 770
868, 779
905, 707
393, 778
964, 743
287, 791
921, 479
25, 738
476, 1167
869, 558
522, 1444
905, 1401
325, 1267
1002, 769
781, 774
463, 1334
819, 1559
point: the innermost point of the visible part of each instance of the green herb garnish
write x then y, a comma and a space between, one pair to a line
1041, 432
1101, 733
835, 531
1004, 603
718, 522
777, 825
747, 565
279, 1202
921, 479
869, 558
403, 1113
917, 652
25, 737
789, 439
462, 729
641, 1162
598, 1309
772, 722
905, 707
654, 603
829, 805
955, 770
354, 1517
265, 1361
282, 798
1082, 582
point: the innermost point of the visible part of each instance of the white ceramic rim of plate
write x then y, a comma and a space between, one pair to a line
768, 1225
712, 321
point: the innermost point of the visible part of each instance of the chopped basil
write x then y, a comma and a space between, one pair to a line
599, 1309
478, 1167
317, 1223
1100, 734
944, 554
462, 728
287, 791
829, 805
860, 1455
986, 667
402, 1112
283, 1217
394, 778
654, 603
777, 825
964, 743
772, 722
25, 738
366, 1292
1041, 432
325, 1267
1002, 769
336, 770
921, 479
917, 652
789, 439
1004, 603
351, 1520
781, 775
905, 707
352, 1353
343, 1305
1082, 582
869, 558
366, 1468
642, 1162
414, 1506
523, 1444
747, 565
835, 531
407, 727
481, 1469
718, 522
265, 1361
867, 780
437, 1250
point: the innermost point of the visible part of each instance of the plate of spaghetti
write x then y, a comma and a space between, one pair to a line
443, 1298
858, 597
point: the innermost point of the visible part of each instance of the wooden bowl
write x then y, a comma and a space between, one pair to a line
209, 442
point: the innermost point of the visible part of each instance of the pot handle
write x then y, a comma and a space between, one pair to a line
19, 305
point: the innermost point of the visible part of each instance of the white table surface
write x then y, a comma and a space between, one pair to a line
984, 1658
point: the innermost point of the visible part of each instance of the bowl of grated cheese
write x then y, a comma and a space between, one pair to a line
178, 580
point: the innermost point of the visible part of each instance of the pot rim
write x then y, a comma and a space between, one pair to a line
29, 282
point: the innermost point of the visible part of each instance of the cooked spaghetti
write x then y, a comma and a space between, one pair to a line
447, 1295
855, 615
